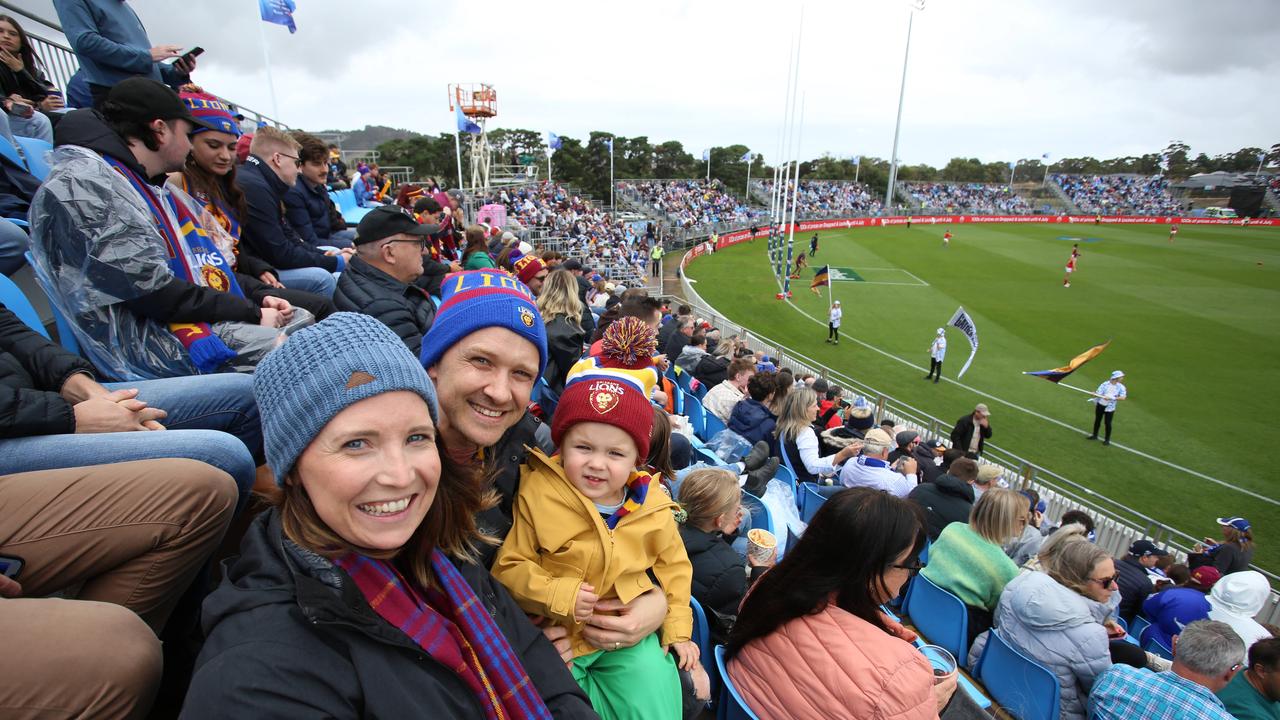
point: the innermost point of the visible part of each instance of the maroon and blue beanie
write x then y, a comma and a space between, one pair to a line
215, 114
478, 299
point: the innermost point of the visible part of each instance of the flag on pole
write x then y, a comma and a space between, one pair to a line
609, 144
1044, 156
1011, 164
464, 123
746, 157
962, 322
706, 155
857, 159
821, 276
553, 141
279, 12
1057, 374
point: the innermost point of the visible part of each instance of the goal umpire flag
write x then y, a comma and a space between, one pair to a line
821, 276
1057, 374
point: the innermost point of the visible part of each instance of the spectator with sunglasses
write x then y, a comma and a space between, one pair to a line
380, 281
270, 171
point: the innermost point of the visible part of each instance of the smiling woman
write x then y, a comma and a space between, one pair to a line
364, 567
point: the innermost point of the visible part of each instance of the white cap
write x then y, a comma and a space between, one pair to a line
1117, 375
941, 331
835, 302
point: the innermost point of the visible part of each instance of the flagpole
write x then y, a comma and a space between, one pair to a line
457, 148
549, 151
747, 197
708, 164
611, 202
266, 61
795, 196
857, 168
1073, 387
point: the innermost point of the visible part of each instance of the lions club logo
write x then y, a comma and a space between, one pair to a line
215, 278
604, 396
526, 317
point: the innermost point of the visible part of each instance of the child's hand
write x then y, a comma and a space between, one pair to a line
687, 654
585, 604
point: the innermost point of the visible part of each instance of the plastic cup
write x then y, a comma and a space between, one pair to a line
760, 544
940, 659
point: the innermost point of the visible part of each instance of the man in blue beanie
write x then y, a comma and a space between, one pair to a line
485, 351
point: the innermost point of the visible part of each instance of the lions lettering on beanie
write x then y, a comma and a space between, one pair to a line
613, 388
527, 267
479, 299
322, 370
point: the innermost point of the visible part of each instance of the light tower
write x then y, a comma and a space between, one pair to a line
478, 102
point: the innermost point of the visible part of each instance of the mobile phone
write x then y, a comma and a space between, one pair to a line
10, 566
20, 110
189, 55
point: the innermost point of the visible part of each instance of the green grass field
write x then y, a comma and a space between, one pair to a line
1194, 324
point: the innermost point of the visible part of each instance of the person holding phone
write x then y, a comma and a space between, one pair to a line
112, 44
24, 87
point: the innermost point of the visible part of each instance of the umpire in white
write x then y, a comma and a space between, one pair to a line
1109, 393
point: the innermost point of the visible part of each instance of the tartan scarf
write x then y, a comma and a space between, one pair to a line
193, 257
453, 627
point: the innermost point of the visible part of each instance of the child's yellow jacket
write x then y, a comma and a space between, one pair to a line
559, 540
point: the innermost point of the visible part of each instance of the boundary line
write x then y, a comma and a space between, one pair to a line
1033, 413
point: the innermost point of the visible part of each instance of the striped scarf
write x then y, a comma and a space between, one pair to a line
637, 490
193, 257
454, 628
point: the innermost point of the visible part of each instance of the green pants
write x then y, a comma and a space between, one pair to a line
635, 683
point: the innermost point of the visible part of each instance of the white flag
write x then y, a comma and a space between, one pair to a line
962, 322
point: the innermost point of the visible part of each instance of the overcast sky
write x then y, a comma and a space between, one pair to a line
988, 79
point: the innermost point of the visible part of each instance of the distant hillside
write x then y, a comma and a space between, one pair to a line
372, 136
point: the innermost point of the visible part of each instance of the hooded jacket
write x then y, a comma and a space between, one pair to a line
405, 308
1236, 599
690, 356
1056, 627
719, 577
1171, 610
945, 500
559, 541
753, 421
833, 665
711, 369
290, 635
267, 233
95, 240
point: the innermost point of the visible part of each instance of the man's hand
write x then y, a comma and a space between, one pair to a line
284, 307
81, 387
557, 634
613, 622
270, 279
164, 52
117, 411
9, 587
271, 318
185, 65
909, 467
52, 103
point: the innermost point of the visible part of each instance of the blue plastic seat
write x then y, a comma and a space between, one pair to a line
1023, 687
11, 152
714, 424
1152, 644
939, 616
66, 336
12, 297
785, 476
36, 151
697, 415
760, 515
702, 637
810, 501
1139, 626
731, 705
704, 454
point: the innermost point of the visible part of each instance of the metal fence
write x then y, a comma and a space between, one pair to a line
1117, 524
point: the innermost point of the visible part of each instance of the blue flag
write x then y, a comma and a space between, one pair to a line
609, 143
706, 155
1011, 164
857, 159
553, 141
464, 123
279, 12
746, 157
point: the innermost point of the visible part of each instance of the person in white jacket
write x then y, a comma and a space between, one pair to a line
1236, 599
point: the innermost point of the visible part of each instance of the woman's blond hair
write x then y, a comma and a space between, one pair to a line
999, 515
708, 493
794, 415
560, 298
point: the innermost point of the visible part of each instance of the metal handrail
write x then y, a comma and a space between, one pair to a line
60, 61
1118, 525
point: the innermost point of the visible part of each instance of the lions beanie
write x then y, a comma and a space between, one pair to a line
479, 299
321, 371
613, 388
528, 266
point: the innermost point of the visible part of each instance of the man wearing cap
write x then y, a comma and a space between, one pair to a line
380, 279
872, 468
266, 176
928, 455
937, 351
1105, 399
972, 431
907, 442
833, 323
485, 350
127, 260
1133, 580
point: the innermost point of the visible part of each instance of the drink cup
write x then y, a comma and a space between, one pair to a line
760, 544
942, 662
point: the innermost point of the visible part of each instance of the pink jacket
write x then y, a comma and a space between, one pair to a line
833, 665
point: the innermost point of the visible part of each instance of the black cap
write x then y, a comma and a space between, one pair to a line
143, 100
387, 220
571, 264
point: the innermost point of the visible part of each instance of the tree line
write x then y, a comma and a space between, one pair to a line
585, 165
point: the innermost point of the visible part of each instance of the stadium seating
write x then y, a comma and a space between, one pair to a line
1119, 194
1023, 687
713, 425
939, 616
689, 203
346, 202
11, 152
702, 636
66, 336
974, 198
1139, 626
12, 297
37, 152
760, 515
696, 413
810, 501
828, 198
730, 705
1149, 642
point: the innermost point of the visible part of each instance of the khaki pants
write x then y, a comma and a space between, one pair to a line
129, 534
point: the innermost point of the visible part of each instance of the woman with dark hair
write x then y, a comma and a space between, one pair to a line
820, 609
358, 593
209, 178
475, 256
1232, 553
25, 88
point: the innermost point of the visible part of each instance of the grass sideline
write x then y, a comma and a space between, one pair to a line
1194, 324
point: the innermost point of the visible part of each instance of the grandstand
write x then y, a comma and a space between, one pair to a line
826, 198
688, 204
965, 198
1119, 194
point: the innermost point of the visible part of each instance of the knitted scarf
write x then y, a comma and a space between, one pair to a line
453, 627
193, 257
637, 490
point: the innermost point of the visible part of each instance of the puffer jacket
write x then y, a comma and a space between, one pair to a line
405, 308
753, 421
832, 665
719, 577
32, 370
1058, 628
945, 500
290, 636
1236, 599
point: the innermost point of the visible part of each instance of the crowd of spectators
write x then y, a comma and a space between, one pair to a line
348, 451
829, 198
690, 203
957, 198
1119, 194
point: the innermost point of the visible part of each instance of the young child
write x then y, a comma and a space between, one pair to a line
590, 525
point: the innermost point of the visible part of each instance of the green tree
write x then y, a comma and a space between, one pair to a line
671, 161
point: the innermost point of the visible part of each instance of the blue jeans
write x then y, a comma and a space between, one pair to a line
37, 126
311, 279
341, 238
212, 418
13, 243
